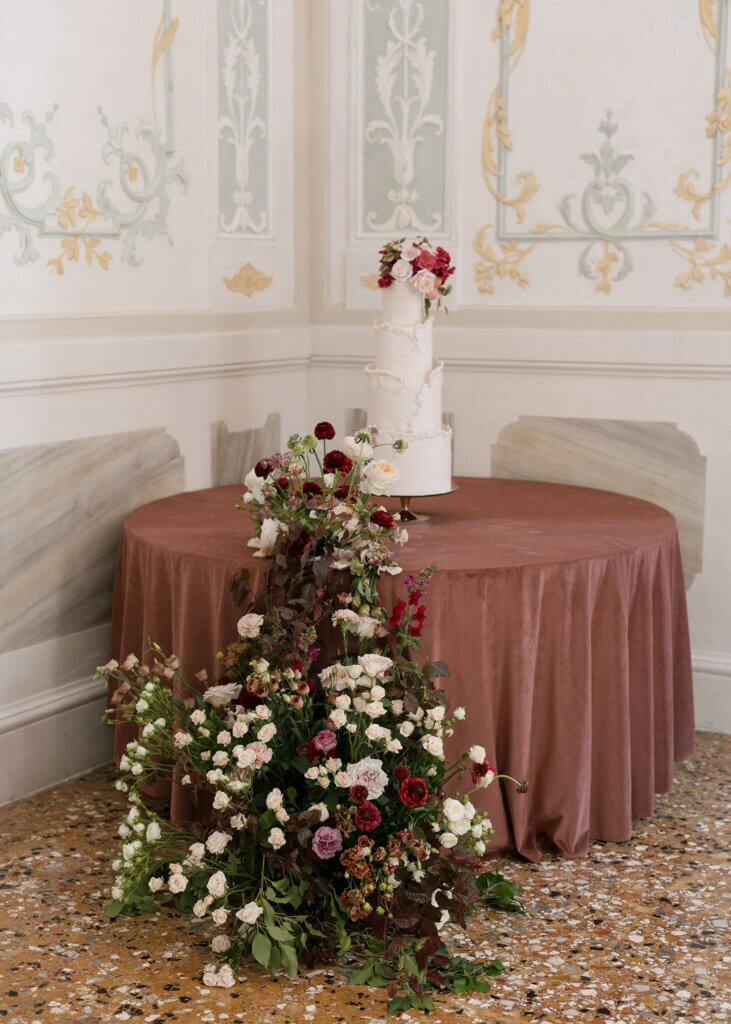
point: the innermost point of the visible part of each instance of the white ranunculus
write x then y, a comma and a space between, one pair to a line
153, 832
249, 914
368, 772
267, 732
177, 883
448, 840
453, 810
477, 754
357, 449
433, 745
218, 696
255, 485
274, 799
277, 838
338, 718
376, 665
217, 842
249, 625
402, 270
381, 475
217, 884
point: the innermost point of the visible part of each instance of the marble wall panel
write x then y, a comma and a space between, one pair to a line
233, 453
62, 507
650, 460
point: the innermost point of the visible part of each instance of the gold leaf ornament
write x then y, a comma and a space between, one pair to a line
164, 39
370, 281
494, 132
702, 260
515, 15
506, 265
247, 281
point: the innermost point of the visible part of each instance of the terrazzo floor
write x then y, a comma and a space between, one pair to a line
636, 932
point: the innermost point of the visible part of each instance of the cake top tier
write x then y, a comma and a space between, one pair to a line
418, 265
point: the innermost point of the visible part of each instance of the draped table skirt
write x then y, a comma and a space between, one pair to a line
560, 611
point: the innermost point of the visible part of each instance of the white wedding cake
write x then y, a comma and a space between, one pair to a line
404, 384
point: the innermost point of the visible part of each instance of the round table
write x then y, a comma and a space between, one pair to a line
560, 611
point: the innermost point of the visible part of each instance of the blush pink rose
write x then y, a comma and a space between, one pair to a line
424, 282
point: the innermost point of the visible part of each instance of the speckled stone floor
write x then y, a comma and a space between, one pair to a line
636, 932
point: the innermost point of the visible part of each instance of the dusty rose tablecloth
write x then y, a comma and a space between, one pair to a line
560, 611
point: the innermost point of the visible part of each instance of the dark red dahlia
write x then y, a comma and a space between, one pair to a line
381, 518
337, 460
358, 794
311, 487
263, 467
367, 817
401, 773
413, 792
324, 431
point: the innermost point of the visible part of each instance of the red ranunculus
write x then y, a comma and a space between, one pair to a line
336, 460
358, 794
324, 431
425, 260
385, 282
342, 491
381, 518
367, 817
479, 771
401, 773
263, 467
413, 792
283, 482
311, 487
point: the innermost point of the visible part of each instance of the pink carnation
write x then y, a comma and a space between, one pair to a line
325, 741
326, 842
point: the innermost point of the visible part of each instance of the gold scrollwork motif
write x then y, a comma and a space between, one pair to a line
495, 125
370, 281
707, 15
701, 259
515, 15
78, 214
248, 281
507, 265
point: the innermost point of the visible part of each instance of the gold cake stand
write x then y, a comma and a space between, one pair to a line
407, 515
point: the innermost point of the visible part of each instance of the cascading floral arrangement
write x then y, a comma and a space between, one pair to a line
317, 758
415, 262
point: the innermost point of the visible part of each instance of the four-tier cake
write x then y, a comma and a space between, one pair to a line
404, 384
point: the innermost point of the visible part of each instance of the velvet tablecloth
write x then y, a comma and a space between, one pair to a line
560, 612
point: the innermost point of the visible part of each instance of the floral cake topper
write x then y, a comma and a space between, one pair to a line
415, 262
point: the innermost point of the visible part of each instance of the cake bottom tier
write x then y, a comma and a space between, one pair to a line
426, 465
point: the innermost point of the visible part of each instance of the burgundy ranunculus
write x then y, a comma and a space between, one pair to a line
325, 741
324, 431
413, 792
367, 817
283, 482
381, 518
326, 842
401, 773
358, 794
479, 771
263, 467
385, 282
311, 487
337, 460
342, 492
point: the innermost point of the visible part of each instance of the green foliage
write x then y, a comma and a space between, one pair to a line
498, 893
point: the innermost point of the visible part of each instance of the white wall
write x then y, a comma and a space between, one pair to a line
250, 290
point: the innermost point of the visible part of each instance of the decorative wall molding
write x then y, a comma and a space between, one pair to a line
244, 84
247, 280
712, 663
608, 205
53, 701
142, 175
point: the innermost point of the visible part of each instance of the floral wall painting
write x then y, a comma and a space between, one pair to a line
243, 117
403, 102
128, 206
614, 213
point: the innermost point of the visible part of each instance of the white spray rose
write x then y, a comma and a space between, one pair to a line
217, 884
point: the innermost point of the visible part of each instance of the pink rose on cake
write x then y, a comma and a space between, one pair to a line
425, 282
